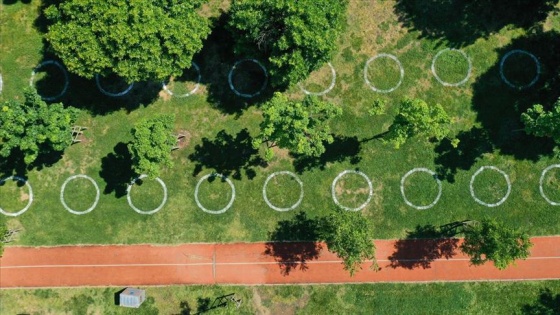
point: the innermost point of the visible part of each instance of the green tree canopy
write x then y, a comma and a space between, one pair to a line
489, 240
32, 127
296, 36
299, 126
541, 123
151, 145
137, 40
348, 235
415, 117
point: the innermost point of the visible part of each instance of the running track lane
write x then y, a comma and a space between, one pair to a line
243, 263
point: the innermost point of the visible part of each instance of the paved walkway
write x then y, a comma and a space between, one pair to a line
258, 263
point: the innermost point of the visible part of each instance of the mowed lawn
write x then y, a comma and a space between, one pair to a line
436, 298
218, 127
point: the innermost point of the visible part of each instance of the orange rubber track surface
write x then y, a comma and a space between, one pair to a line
258, 263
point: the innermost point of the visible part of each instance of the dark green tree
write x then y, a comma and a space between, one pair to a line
541, 123
348, 235
137, 40
31, 128
295, 36
151, 145
489, 240
299, 126
415, 117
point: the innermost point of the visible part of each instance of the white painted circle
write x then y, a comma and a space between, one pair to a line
19, 179
294, 176
230, 78
191, 92
393, 57
444, 83
523, 52
111, 94
214, 211
64, 72
142, 211
1, 83
480, 170
554, 203
338, 177
327, 90
425, 170
64, 187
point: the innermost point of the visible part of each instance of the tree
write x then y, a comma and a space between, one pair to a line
489, 240
300, 126
151, 145
295, 36
347, 234
541, 123
416, 117
136, 40
31, 128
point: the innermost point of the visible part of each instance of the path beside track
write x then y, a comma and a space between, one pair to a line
252, 263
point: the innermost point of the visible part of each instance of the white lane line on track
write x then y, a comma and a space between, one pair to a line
242, 263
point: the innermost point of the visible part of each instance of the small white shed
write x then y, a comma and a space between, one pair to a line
132, 297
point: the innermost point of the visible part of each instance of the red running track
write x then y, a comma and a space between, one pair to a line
258, 263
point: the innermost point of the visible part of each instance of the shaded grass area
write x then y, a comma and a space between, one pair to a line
436, 298
220, 126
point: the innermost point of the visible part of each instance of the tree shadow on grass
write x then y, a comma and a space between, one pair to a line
228, 155
499, 106
116, 170
15, 165
8, 2
343, 148
473, 144
462, 22
84, 93
216, 59
294, 242
546, 304
424, 245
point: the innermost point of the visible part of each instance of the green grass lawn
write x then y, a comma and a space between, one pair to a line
436, 298
218, 127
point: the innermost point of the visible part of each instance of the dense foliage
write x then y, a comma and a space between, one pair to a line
299, 126
151, 145
137, 40
348, 235
542, 123
31, 128
296, 37
489, 240
415, 117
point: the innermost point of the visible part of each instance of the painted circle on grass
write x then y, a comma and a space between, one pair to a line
444, 83
541, 181
1, 83
230, 78
64, 73
97, 194
220, 211
338, 177
424, 170
522, 52
112, 94
19, 179
392, 57
325, 91
480, 170
294, 176
191, 92
150, 211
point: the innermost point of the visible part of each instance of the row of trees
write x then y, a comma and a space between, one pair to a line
151, 40
349, 236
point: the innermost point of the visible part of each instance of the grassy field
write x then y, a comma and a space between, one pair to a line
437, 298
218, 127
